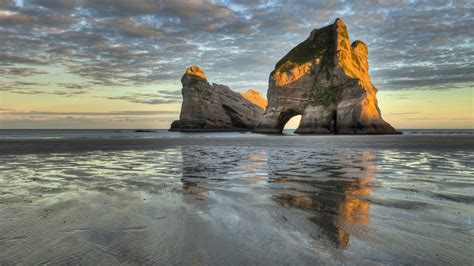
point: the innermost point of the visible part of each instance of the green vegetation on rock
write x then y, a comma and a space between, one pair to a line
288, 65
321, 45
325, 95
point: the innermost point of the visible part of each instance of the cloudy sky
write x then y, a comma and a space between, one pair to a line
117, 63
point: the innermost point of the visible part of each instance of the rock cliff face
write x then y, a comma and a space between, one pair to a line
324, 79
213, 107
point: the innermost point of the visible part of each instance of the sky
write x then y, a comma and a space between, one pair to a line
118, 63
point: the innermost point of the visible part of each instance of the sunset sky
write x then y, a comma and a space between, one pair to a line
118, 64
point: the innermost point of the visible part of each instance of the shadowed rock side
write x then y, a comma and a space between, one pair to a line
213, 107
324, 79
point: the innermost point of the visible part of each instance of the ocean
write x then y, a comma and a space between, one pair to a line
163, 133
159, 197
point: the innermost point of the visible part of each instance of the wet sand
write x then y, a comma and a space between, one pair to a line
259, 200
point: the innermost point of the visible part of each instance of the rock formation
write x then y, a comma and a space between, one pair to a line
324, 79
256, 98
213, 107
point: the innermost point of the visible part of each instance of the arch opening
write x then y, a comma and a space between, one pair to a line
291, 124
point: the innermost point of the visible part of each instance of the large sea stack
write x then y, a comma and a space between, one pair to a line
325, 79
213, 107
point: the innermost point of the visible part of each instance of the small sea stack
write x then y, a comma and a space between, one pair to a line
213, 107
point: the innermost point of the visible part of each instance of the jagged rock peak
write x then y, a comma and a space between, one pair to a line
256, 98
196, 72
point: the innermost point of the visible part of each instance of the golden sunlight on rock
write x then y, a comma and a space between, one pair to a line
256, 98
196, 71
369, 108
290, 72
352, 58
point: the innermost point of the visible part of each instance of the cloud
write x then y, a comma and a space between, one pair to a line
412, 45
131, 28
84, 122
33, 92
112, 119
122, 7
10, 18
114, 113
162, 97
7, 59
73, 85
4, 109
32, 88
402, 113
57, 4
23, 71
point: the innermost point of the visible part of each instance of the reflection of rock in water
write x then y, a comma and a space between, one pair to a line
194, 171
332, 187
337, 200
206, 168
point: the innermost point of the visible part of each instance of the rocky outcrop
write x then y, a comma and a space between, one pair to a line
324, 79
256, 98
213, 107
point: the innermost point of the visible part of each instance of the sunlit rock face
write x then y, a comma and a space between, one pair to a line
213, 107
256, 98
195, 71
325, 79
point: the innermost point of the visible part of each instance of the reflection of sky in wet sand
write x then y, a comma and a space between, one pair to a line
217, 205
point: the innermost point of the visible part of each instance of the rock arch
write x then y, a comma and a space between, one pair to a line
326, 81
285, 117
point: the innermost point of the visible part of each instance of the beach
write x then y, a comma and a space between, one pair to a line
238, 199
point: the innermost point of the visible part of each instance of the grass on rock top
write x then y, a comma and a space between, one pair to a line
322, 45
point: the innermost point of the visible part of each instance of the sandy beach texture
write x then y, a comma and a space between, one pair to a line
223, 201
